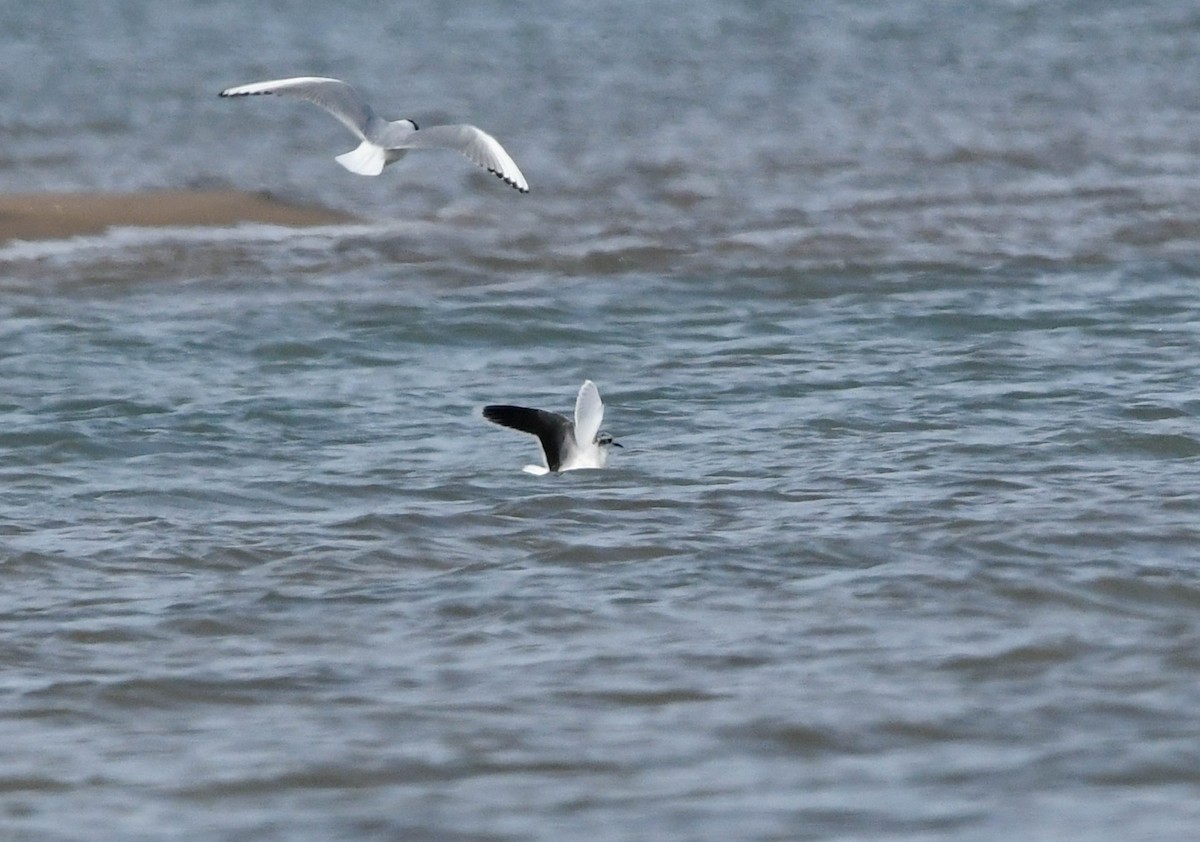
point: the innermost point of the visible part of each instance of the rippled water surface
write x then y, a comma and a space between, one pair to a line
894, 315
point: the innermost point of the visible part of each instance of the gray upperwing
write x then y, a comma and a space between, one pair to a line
554, 431
334, 95
479, 146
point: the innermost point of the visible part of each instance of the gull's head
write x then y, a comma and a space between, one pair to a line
606, 440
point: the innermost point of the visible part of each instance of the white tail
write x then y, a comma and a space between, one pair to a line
366, 159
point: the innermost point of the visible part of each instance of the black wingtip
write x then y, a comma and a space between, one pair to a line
514, 417
508, 181
499, 414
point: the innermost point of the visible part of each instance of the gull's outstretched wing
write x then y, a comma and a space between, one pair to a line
334, 95
553, 430
589, 413
476, 144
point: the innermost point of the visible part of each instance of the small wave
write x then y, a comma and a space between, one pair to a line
135, 238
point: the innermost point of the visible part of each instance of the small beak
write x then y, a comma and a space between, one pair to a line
618, 444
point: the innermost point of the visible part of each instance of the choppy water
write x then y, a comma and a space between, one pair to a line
893, 310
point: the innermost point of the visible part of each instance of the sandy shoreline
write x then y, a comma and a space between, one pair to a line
48, 216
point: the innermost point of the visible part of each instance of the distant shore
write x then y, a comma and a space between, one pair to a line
48, 216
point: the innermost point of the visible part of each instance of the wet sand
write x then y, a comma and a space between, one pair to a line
46, 216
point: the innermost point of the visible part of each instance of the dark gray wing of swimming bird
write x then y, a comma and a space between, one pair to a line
555, 432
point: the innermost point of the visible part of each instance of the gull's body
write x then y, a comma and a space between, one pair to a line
385, 141
566, 445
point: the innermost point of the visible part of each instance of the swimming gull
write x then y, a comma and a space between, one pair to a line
566, 445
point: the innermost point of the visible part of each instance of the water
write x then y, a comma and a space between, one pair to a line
892, 309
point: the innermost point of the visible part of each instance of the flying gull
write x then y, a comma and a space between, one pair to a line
566, 445
385, 142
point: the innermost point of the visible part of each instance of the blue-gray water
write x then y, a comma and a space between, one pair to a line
893, 307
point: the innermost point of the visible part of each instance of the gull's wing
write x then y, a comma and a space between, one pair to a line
551, 428
476, 144
589, 413
335, 96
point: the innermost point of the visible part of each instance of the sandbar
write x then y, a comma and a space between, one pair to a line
51, 216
